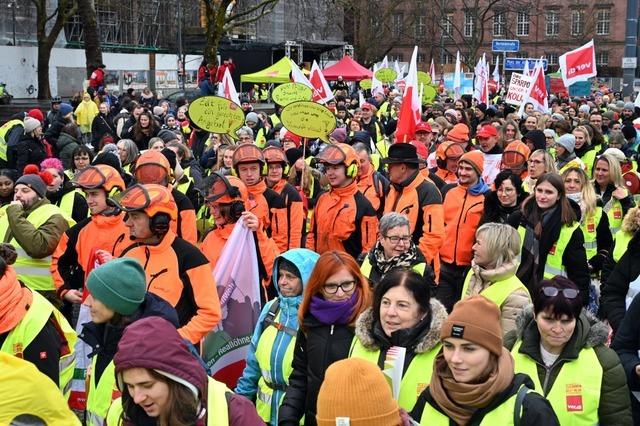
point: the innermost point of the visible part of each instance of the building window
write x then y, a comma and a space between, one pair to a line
447, 58
396, 24
500, 24
421, 26
603, 22
420, 58
447, 25
552, 23
577, 22
552, 59
522, 28
469, 23
397, 57
602, 59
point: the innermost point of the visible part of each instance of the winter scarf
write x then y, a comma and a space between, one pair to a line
479, 188
405, 259
460, 400
14, 302
330, 313
483, 278
565, 159
531, 243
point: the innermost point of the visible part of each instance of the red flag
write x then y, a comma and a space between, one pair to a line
578, 64
411, 108
321, 90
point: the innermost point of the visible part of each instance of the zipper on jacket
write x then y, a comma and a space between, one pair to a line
466, 213
455, 246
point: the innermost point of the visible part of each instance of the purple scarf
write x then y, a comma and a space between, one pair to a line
330, 313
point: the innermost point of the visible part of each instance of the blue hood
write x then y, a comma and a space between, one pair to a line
304, 259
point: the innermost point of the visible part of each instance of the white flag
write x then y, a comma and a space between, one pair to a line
298, 76
457, 83
227, 89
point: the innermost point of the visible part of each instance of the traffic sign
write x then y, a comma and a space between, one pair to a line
629, 62
505, 45
516, 64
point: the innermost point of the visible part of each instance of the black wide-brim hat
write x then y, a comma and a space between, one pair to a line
402, 153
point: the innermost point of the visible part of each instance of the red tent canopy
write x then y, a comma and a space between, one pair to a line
349, 69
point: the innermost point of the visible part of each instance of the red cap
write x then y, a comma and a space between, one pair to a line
37, 114
367, 105
293, 138
423, 126
421, 149
487, 131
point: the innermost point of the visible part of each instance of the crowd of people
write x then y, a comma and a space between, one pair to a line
482, 272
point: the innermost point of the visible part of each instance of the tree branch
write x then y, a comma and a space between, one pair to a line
262, 5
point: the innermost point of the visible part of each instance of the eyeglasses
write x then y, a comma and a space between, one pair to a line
346, 287
569, 293
396, 239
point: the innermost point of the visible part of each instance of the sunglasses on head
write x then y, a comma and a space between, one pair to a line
569, 293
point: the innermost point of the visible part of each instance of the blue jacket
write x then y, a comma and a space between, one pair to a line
304, 260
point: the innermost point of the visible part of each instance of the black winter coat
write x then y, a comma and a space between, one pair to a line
53, 132
627, 344
101, 125
316, 349
494, 212
29, 151
614, 290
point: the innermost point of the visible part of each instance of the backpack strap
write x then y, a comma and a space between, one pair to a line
270, 319
517, 410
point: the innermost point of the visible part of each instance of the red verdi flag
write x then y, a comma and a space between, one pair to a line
578, 64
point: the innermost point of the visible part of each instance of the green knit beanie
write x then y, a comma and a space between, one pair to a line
120, 285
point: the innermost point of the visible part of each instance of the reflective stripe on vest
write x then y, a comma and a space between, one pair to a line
615, 215
575, 395
498, 291
621, 243
34, 273
99, 397
554, 265
589, 230
365, 268
217, 407
37, 316
501, 415
266, 404
415, 379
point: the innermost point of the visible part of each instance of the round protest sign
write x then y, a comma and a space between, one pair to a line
366, 83
286, 93
217, 115
308, 119
386, 75
424, 78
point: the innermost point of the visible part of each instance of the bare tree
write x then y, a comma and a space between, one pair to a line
221, 16
92, 45
65, 9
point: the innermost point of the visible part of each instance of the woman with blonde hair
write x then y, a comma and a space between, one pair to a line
584, 149
610, 188
496, 256
539, 163
509, 132
335, 295
630, 225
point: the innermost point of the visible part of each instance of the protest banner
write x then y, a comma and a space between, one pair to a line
578, 64
308, 119
287, 93
519, 88
217, 115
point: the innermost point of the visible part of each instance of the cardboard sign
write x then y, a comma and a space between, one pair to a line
308, 119
519, 88
424, 78
286, 93
386, 75
366, 83
217, 115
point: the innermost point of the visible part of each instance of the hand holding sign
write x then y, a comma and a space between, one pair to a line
287, 93
217, 115
308, 119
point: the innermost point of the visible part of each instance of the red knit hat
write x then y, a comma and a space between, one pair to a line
459, 133
475, 159
37, 114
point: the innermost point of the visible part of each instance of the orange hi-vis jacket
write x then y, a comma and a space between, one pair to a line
419, 199
72, 259
216, 239
368, 189
295, 212
179, 273
343, 219
462, 214
271, 210
186, 225
446, 176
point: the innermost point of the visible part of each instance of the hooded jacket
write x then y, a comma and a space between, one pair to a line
65, 145
589, 332
29, 150
304, 260
153, 343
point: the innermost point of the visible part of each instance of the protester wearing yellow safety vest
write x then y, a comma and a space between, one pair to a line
584, 149
162, 382
473, 382
630, 224
266, 375
611, 189
257, 127
394, 249
562, 347
493, 272
118, 298
10, 134
551, 238
191, 177
34, 227
27, 397
62, 193
403, 315
31, 328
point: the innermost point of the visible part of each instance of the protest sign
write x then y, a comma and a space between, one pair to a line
217, 115
308, 119
287, 93
519, 88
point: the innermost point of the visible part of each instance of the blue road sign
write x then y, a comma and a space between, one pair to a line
517, 64
505, 45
